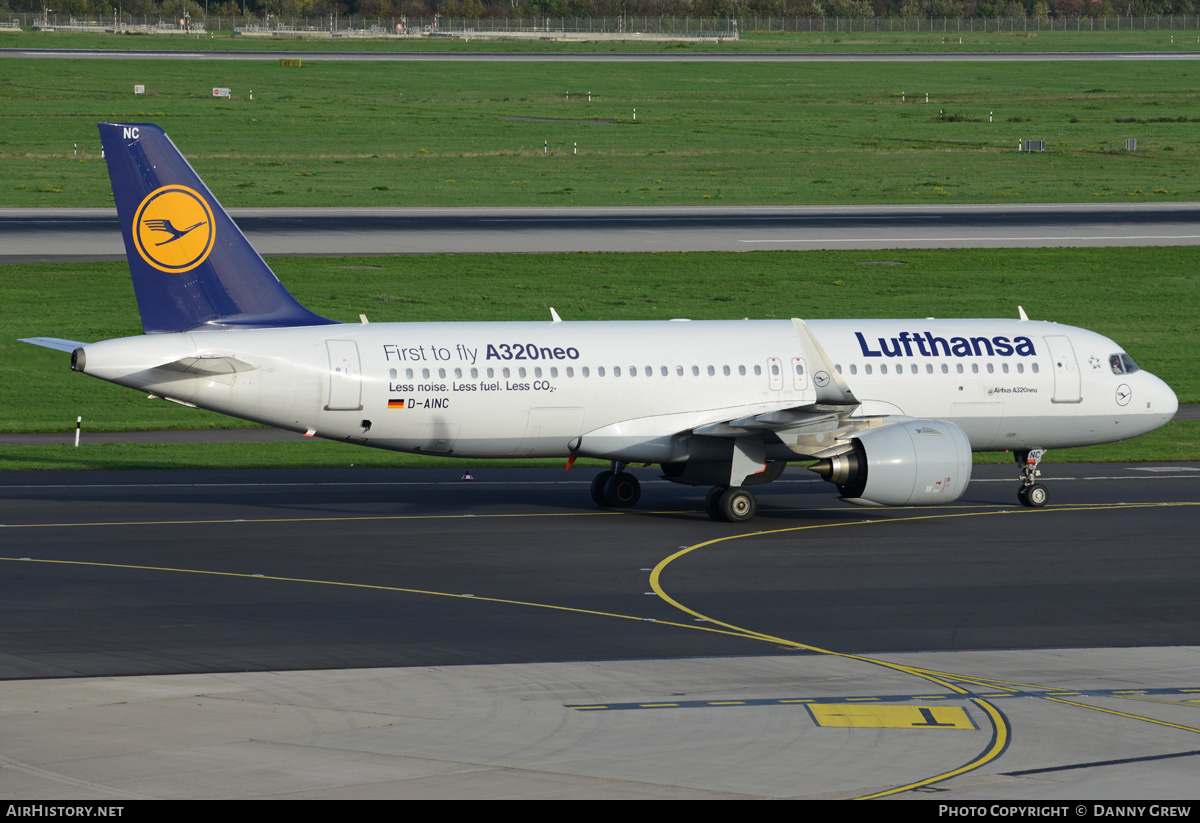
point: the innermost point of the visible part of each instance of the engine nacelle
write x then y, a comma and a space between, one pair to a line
907, 463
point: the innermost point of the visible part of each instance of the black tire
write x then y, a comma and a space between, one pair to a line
712, 503
1036, 496
622, 491
738, 505
598, 483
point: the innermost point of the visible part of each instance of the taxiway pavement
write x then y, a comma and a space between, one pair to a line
372, 633
33, 235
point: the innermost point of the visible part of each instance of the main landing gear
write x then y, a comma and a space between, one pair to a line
1032, 494
616, 489
730, 504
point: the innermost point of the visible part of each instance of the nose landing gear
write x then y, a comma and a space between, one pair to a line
1031, 494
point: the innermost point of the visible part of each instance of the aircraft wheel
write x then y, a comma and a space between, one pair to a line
622, 491
712, 503
1034, 496
738, 505
598, 483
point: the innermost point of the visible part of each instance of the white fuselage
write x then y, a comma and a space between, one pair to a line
626, 390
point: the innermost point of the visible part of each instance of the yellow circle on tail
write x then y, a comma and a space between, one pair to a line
173, 229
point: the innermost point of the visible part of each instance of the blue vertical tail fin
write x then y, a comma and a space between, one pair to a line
192, 267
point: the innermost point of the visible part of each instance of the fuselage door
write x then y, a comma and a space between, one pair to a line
775, 373
345, 376
1066, 369
799, 374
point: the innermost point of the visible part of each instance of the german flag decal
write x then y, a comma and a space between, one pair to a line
396, 403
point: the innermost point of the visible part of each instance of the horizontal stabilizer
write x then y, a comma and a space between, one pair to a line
53, 343
209, 364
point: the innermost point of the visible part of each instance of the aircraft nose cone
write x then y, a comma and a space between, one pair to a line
1170, 401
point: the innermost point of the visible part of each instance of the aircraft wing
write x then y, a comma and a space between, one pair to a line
53, 343
814, 431
811, 430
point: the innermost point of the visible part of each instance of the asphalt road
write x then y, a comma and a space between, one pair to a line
599, 57
30, 235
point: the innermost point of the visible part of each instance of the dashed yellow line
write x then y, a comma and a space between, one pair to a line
338, 519
378, 587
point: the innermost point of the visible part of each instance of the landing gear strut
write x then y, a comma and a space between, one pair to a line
1031, 494
730, 504
616, 489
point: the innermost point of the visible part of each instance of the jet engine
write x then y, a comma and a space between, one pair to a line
907, 463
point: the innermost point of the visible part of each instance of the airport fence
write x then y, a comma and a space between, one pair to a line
684, 26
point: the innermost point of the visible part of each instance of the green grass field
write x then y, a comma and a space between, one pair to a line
1176, 441
1145, 298
342, 133
423, 134
1023, 36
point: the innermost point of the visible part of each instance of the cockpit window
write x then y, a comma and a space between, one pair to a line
1122, 364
